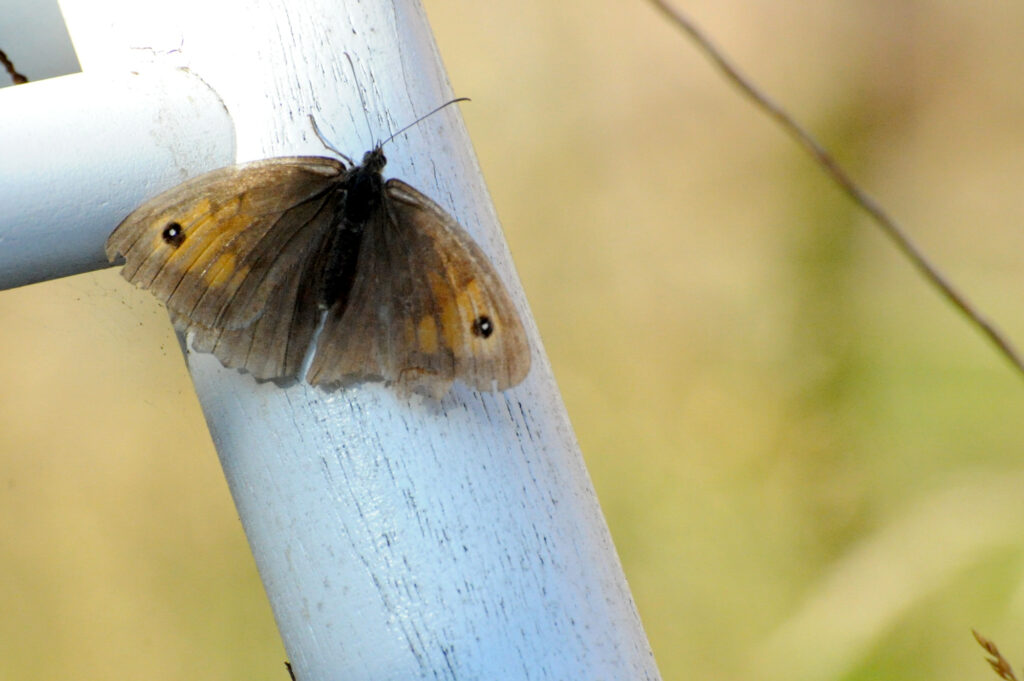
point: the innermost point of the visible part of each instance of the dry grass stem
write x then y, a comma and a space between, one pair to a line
891, 228
997, 661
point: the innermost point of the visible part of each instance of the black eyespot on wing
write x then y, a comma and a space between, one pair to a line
173, 234
483, 326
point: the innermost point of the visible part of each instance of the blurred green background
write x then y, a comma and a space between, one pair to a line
811, 466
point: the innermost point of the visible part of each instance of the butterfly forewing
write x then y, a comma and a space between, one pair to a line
426, 307
214, 248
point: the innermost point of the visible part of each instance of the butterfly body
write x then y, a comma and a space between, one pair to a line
251, 258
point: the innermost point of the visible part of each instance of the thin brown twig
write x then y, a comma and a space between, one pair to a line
840, 177
9, 66
998, 663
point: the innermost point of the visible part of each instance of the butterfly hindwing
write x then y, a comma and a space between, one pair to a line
274, 345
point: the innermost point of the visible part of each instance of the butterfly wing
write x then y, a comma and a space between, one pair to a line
425, 308
274, 344
231, 254
215, 248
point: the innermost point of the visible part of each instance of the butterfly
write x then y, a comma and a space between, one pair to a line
252, 258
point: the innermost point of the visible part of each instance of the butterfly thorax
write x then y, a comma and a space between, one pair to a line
364, 189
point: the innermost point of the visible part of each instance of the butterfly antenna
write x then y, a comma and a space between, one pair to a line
323, 140
426, 116
366, 108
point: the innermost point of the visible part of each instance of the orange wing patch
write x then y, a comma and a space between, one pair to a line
426, 335
448, 313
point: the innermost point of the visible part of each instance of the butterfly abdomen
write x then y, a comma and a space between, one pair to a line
337, 263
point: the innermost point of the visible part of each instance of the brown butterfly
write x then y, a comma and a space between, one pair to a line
249, 258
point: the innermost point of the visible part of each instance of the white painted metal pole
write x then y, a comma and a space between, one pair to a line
79, 152
397, 538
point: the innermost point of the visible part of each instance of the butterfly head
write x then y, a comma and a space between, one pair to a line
374, 160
